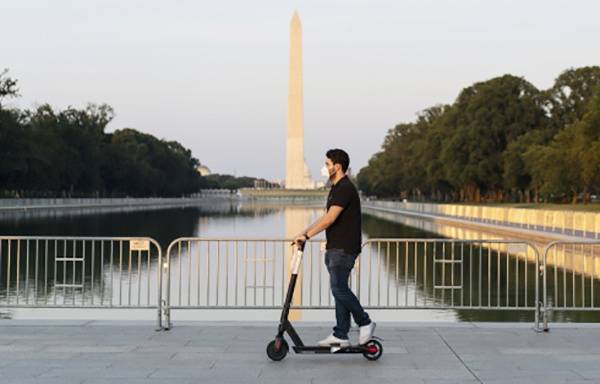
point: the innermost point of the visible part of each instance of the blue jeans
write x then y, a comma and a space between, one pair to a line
339, 264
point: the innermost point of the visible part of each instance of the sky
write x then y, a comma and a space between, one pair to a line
213, 74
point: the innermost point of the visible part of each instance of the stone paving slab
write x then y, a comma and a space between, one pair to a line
104, 352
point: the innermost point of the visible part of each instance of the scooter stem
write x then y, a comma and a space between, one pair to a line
297, 259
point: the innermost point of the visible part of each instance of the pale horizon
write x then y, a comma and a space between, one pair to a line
215, 77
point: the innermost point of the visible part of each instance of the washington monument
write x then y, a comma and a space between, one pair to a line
297, 175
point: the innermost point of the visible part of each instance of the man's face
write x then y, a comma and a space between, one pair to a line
331, 168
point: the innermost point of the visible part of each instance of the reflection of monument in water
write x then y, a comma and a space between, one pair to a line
296, 220
297, 175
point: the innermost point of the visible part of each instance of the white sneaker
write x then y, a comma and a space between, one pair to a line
332, 340
366, 332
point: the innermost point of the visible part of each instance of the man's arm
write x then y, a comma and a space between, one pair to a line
322, 224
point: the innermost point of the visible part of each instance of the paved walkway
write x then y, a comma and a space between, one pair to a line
132, 352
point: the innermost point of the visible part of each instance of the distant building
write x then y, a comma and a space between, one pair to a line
203, 170
266, 184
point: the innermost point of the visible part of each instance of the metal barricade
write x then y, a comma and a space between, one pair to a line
450, 274
80, 272
389, 274
127, 272
571, 277
204, 273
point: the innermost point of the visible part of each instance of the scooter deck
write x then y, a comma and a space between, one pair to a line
330, 349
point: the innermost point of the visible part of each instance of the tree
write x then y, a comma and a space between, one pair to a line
8, 86
570, 163
500, 140
482, 122
47, 152
572, 90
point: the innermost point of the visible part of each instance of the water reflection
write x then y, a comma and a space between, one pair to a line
229, 218
218, 217
570, 268
296, 220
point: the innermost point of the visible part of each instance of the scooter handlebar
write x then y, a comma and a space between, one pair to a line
300, 245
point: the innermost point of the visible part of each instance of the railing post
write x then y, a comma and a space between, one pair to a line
166, 268
159, 270
538, 309
543, 304
541, 308
545, 291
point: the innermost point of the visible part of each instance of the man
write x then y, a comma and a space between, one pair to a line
342, 225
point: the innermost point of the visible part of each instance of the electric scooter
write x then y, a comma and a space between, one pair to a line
278, 348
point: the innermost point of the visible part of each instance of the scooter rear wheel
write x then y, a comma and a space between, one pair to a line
373, 350
277, 354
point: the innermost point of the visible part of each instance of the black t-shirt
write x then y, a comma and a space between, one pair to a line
345, 233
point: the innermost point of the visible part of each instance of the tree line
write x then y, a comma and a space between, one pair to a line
501, 140
219, 181
68, 153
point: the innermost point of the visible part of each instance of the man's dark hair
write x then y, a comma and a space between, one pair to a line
339, 156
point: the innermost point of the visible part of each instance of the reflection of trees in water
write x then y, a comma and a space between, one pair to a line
375, 227
493, 263
481, 276
168, 224
95, 272
111, 261
163, 225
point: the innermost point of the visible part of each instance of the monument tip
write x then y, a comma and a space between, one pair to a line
296, 17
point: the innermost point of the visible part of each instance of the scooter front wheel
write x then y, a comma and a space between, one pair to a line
373, 350
277, 354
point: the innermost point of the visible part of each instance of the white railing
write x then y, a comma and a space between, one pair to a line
80, 272
234, 274
389, 274
571, 277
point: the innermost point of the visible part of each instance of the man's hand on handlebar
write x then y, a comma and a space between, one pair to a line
299, 240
